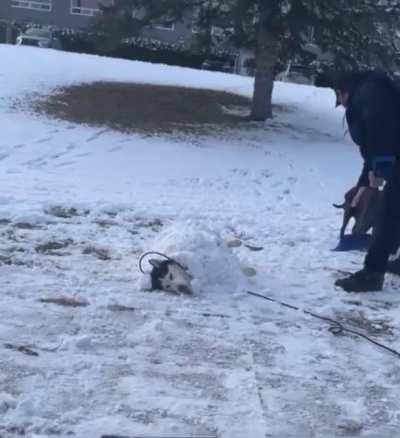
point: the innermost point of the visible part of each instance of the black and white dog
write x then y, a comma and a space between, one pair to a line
170, 276
193, 258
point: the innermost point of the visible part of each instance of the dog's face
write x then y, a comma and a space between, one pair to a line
167, 275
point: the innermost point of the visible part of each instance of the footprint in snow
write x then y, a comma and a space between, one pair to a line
115, 149
96, 135
63, 153
37, 162
83, 155
66, 163
43, 140
55, 156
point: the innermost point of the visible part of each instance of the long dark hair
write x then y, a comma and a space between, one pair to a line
349, 81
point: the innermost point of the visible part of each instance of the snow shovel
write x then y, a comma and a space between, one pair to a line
353, 242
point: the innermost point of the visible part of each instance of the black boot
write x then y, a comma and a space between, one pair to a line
362, 281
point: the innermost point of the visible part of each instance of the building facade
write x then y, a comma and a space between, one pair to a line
77, 15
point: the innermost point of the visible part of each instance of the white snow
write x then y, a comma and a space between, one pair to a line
148, 363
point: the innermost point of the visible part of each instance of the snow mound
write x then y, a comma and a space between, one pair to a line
214, 266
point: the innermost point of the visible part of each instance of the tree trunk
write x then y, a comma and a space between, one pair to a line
266, 57
9, 34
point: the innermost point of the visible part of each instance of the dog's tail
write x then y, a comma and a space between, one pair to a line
342, 206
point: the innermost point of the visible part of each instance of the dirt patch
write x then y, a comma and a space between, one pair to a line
26, 226
64, 301
101, 254
359, 320
21, 349
65, 212
51, 248
144, 108
121, 308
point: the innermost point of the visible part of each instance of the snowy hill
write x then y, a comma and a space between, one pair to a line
80, 204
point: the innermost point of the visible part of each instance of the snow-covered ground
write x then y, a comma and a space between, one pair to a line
78, 206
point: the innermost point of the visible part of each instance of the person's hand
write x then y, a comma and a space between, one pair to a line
374, 182
357, 197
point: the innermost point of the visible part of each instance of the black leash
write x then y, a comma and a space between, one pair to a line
336, 328
160, 254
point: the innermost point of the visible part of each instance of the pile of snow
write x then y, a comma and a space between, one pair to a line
214, 266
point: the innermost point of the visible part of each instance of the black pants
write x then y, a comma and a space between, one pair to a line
387, 235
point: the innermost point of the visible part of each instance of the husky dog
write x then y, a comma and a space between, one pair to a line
170, 276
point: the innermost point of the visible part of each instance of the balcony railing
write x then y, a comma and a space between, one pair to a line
31, 4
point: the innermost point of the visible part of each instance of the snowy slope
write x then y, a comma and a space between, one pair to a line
221, 362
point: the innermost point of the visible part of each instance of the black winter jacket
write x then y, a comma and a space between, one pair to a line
373, 117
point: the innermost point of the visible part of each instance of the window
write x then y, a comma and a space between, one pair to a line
166, 23
165, 26
84, 7
37, 5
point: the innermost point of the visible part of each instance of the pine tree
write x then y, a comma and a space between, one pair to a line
356, 33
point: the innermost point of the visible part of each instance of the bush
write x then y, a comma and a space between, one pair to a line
138, 50
160, 55
79, 42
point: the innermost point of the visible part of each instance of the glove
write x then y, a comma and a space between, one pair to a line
383, 166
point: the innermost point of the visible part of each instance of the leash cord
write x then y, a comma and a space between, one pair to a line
336, 328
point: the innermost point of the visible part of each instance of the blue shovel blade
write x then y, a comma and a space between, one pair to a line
351, 242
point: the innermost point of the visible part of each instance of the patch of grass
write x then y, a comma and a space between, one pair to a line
101, 254
64, 212
64, 301
50, 248
144, 108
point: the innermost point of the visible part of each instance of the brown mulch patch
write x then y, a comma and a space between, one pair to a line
144, 107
